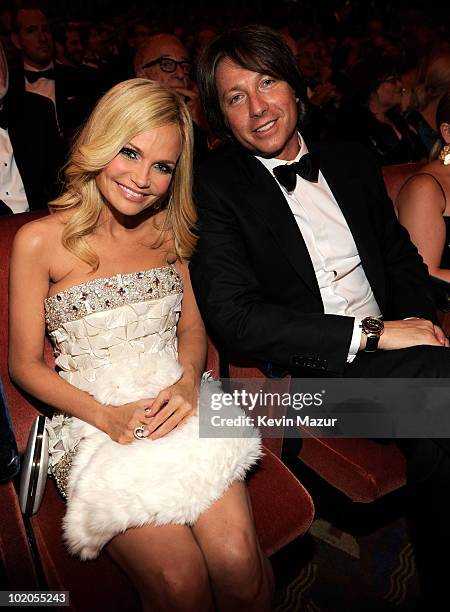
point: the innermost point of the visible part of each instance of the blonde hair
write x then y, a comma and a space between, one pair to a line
126, 110
435, 83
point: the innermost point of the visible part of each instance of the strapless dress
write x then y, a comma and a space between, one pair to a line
116, 339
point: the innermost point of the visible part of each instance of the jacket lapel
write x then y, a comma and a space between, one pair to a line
346, 188
262, 193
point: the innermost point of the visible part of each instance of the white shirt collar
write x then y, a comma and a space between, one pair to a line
271, 163
33, 69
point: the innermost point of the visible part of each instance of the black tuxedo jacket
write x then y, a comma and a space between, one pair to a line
76, 92
37, 146
252, 274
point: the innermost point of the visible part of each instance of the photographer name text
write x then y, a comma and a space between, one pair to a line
266, 421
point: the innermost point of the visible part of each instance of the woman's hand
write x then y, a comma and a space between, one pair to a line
172, 407
120, 421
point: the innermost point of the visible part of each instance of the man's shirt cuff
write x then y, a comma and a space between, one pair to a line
356, 341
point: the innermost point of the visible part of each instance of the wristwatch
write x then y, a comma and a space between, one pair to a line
372, 327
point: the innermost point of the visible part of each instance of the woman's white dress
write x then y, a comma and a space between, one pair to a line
116, 339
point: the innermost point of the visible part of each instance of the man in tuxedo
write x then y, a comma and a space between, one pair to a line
300, 253
164, 58
70, 91
31, 151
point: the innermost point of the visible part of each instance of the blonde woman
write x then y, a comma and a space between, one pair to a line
106, 273
425, 98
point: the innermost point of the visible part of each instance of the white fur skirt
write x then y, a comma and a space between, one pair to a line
112, 487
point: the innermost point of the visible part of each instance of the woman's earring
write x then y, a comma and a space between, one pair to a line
444, 155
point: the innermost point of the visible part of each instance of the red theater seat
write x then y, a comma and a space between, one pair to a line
361, 469
282, 508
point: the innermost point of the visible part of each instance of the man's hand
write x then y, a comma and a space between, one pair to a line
410, 332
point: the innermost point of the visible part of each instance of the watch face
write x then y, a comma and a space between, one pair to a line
372, 325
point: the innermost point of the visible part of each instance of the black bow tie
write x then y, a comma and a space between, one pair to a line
32, 76
307, 167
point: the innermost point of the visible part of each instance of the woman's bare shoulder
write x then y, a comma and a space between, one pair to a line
423, 191
440, 172
428, 179
41, 234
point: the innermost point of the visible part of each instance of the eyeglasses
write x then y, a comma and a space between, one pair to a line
170, 65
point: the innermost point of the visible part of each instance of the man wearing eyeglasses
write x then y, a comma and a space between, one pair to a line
165, 59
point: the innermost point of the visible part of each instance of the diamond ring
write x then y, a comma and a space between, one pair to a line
138, 432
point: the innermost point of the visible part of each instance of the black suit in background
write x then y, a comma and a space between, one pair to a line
257, 291
37, 146
76, 92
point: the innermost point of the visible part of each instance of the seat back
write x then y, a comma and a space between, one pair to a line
15, 552
242, 368
22, 410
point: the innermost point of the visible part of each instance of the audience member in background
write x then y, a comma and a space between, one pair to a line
314, 62
425, 99
96, 46
10, 51
104, 54
424, 202
65, 87
372, 114
336, 18
164, 58
69, 49
306, 57
139, 31
31, 151
202, 39
320, 91
120, 64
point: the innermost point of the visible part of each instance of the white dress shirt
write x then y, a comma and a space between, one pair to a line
12, 191
343, 284
43, 87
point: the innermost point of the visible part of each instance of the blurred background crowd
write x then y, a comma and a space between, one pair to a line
374, 71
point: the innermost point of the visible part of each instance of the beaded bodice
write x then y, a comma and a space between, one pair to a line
113, 319
108, 293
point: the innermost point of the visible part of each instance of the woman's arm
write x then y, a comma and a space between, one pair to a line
420, 204
191, 332
178, 402
28, 287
